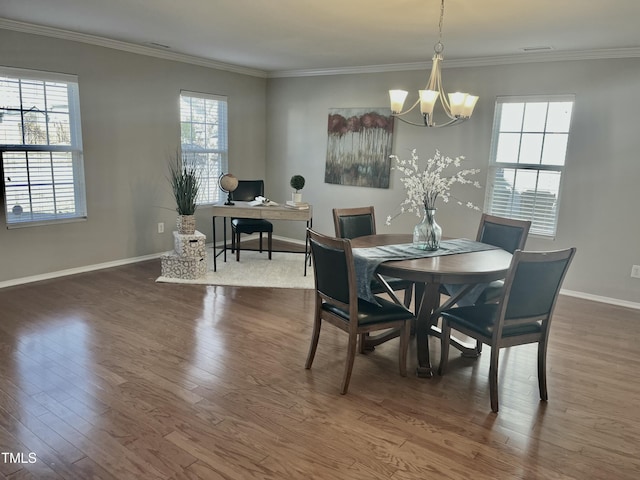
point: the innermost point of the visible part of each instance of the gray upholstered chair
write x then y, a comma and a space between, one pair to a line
522, 314
337, 302
247, 191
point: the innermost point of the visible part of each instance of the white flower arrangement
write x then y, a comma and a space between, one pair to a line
425, 186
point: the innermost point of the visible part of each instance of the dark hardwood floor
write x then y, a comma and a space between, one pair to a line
109, 375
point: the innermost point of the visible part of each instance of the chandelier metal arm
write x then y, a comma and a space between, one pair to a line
427, 119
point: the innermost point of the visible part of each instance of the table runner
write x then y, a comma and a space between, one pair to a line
367, 260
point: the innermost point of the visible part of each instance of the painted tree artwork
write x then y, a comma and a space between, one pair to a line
358, 147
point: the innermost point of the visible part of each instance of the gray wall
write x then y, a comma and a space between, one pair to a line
129, 107
130, 126
598, 211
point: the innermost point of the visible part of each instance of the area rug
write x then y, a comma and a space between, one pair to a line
285, 270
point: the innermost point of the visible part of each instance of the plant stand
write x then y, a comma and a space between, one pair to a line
188, 261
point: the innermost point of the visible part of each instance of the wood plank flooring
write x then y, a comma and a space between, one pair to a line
109, 375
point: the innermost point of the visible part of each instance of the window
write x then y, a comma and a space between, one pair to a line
203, 132
41, 147
528, 152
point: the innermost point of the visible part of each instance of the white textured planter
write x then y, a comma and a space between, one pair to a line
186, 224
296, 197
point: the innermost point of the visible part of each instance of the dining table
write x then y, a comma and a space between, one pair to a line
463, 270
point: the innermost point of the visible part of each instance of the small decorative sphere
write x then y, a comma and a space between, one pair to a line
17, 209
228, 182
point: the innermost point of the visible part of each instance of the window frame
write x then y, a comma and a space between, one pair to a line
494, 165
208, 183
74, 148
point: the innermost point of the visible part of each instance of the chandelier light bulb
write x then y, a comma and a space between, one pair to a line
428, 100
397, 98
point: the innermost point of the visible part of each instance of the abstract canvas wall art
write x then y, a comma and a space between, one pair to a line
358, 147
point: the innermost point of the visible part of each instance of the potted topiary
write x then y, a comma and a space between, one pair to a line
185, 183
297, 183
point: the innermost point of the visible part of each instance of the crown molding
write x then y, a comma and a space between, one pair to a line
127, 47
528, 57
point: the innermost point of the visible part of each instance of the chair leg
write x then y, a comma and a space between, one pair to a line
542, 370
408, 295
260, 242
493, 377
351, 355
315, 336
445, 338
405, 333
233, 240
269, 243
237, 246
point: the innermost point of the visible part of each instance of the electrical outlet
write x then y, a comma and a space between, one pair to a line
161, 227
635, 271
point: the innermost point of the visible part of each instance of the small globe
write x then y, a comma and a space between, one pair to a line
228, 182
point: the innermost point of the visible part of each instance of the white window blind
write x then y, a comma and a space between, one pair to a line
41, 147
203, 131
528, 153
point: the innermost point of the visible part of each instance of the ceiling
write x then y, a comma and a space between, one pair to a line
280, 36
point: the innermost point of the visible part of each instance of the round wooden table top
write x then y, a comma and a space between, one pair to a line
460, 268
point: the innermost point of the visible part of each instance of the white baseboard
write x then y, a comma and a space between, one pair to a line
598, 298
289, 240
126, 261
73, 271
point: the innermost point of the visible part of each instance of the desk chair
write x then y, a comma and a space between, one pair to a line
247, 191
522, 314
337, 302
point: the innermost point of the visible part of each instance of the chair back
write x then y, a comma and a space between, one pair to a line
506, 233
354, 222
333, 269
248, 190
531, 288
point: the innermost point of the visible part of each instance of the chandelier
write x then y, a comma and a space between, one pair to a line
457, 106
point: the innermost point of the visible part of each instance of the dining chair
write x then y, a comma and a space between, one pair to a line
337, 302
506, 233
247, 191
522, 314
360, 221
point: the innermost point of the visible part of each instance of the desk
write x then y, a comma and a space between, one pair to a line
244, 210
428, 273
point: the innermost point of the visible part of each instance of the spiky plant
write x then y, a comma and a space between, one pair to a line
185, 182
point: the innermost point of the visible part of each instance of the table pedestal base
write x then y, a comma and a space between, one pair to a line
428, 310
